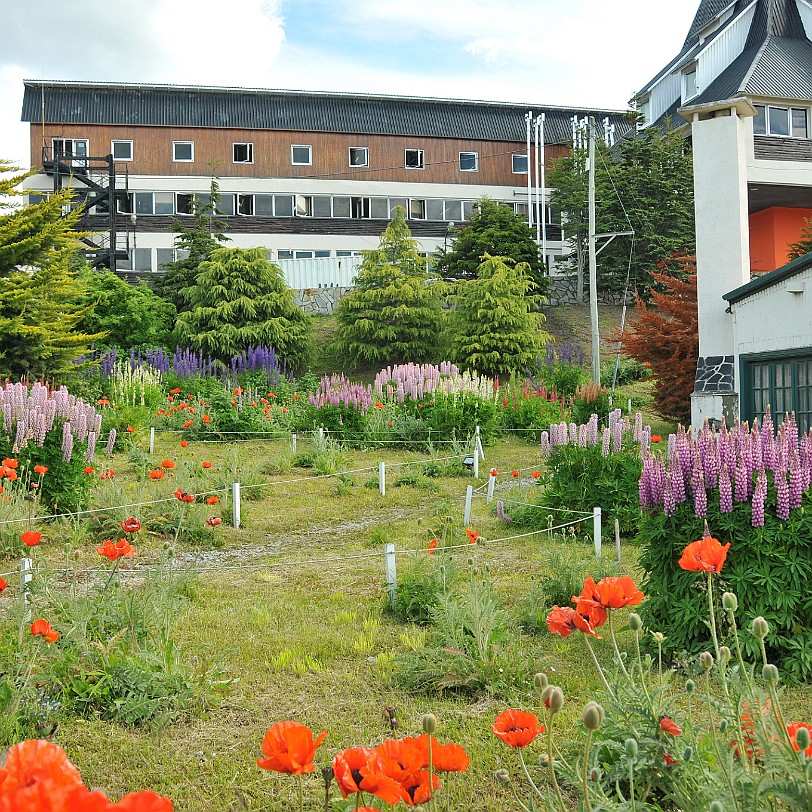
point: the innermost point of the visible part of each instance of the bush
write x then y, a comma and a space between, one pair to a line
421, 586
561, 369
629, 370
456, 416
589, 399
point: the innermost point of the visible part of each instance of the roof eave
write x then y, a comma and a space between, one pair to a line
767, 280
744, 107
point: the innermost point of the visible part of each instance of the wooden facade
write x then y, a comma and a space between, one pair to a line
152, 154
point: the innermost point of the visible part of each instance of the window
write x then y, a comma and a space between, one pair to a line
142, 259
242, 153
71, 147
122, 150
226, 205
434, 210
785, 384
322, 206
321, 254
359, 156
394, 202
379, 208
143, 203
781, 121
467, 209
263, 205
469, 162
689, 84
341, 206
164, 257
184, 203
283, 254
245, 205
183, 151
301, 155
417, 209
304, 206
414, 159
304, 255
164, 202
519, 163
283, 205
453, 210
37, 197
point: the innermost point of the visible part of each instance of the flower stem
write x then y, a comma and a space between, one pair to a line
631, 785
640, 668
552, 764
712, 616
527, 776
585, 772
617, 650
301, 793
598, 666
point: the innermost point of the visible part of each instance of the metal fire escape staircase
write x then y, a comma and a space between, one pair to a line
102, 192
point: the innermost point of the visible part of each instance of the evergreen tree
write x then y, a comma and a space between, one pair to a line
494, 229
804, 244
197, 240
648, 176
494, 329
393, 314
40, 295
664, 332
240, 300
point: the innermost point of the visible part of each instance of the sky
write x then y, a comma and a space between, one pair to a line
578, 53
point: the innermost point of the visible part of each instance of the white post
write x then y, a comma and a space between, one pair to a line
26, 574
617, 539
629, 406
596, 529
293, 442
152, 439
382, 478
476, 464
391, 572
469, 495
479, 444
321, 433
235, 503
491, 485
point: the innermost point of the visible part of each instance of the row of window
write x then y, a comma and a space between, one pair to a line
150, 259
320, 206
300, 154
792, 122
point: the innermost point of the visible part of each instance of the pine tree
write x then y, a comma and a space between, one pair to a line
494, 229
494, 329
664, 332
240, 300
393, 314
40, 295
804, 245
198, 240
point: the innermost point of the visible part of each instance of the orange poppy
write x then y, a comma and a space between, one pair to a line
585, 625
206, 419
419, 787
289, 748
212, 500
184, 443
106, 475
560, 621
214, 521
432, 546
347, 767
284, 410
792, 730
147, 801
705, 555
205, 464
615, 593
655, 438
472, 535
89, 470
115, 550
31, 538
35, 761
175, 391
536, 474
445, 758
130, 429
131, 525
10, 463
44, 629
668, 725
514, 473
8, 473
589, 605
296, 396
494, 472
156, 474
188, 423
3, 584
517, 728
168, 464
182, 496
40, 469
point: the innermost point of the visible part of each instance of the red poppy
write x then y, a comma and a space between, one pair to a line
130, 429
793, 729
419, 787
205, 464
402, 757
115, 550
517, 728
432, 546
44, 629
615, 593
147, 801
347, 769
494, 472
212, 500
514, 473
188, 423
182, 496
3, 584
705, 555
284, 410
669, 726
445, 758
31, 538
168, 464
106, 475
588, 604
175, 391
473, 536
10, 463
655, 438
560, 621
40, 469
156, 474
206, 419
35, 762
214, 521
131, 525
289, 748
536, 474
585, 625
669, 762
184, 443
89, 470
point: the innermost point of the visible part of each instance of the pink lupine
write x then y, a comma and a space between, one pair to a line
699, 493
725, 491
759, 497
782, 495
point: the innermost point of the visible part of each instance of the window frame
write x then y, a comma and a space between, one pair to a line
771, 359
690, 91
309, 149
75, 160
790, 109
249, 145
358, 166
476, 162
114, 141
420, 155
175, 159
513, 158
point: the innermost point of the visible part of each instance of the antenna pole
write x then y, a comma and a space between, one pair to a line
593, 271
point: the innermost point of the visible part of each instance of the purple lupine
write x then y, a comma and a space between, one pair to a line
677, 480
759, 497
617, 436
781, 494
111, 441
607, 438
500, 512
700, 495
742, 488
725, 491
669, 503
67, 442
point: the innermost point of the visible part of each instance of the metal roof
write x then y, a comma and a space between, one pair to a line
767, 280
775, 18
708, 10
242, 108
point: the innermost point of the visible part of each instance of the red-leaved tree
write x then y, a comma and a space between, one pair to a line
664, 332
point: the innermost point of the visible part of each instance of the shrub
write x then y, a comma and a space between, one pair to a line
629, 370
521, 406
457, 416
589, 399
561, 369
421, 585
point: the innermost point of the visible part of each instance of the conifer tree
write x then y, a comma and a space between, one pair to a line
393, 314
664, 332
494, 328
804, 244
240, 300
40, 295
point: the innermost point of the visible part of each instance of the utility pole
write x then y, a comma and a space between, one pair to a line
593, 263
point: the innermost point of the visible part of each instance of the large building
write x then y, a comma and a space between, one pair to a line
743, 82
307, 175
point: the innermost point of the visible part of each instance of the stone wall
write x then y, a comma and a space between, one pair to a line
319, 301
563, 291
714, 374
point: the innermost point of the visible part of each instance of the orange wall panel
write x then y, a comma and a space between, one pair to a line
771, 232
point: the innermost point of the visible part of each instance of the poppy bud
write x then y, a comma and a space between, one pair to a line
592, 715
706, 660
716, 806
769, 673
723, 726
802, 738
595, 774
658, 637
541, 681
635, 622
760, 627
730, 602
556, 699
327, 775
429, 722
502, 776
688, 753
725, 654
690, 686
630, 746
